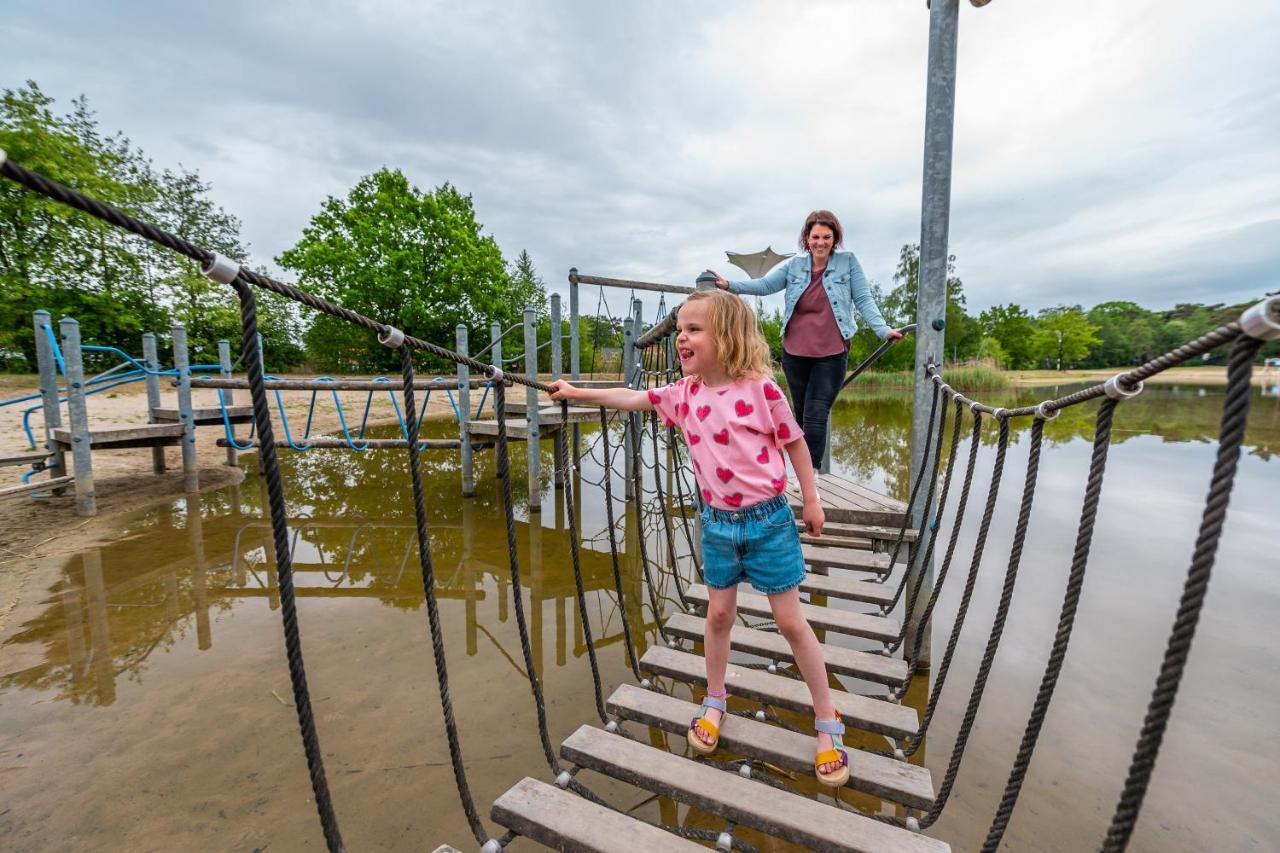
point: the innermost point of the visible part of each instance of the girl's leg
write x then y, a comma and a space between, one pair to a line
722, 607
808, 655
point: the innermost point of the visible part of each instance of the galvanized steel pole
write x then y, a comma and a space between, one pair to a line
464, 407
78, 418
228, 396
531, 412
48, 368
935, 213
186, 416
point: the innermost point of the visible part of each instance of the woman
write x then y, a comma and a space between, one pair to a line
823, 288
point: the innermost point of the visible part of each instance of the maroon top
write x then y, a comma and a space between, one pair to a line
812, 331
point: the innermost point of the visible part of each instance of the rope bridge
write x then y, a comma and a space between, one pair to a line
567, 813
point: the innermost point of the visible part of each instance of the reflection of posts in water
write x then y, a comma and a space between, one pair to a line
171, 611
269, 546
73, 612
469, 575
195, 527
536, 585
237, 509
99, 631
561, 629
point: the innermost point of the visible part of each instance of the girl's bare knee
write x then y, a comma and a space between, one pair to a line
720, 618
793, 628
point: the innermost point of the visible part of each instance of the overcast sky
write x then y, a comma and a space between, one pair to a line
1104, 150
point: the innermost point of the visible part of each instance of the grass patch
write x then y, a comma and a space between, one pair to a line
974, 378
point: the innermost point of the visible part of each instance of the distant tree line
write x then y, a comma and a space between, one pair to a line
1110, 334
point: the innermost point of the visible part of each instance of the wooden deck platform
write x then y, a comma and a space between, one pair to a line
127, 435
841, 568
847, 502
206, 416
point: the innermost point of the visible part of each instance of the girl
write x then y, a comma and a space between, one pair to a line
737, 423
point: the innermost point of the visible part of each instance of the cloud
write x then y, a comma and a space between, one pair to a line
1102, 150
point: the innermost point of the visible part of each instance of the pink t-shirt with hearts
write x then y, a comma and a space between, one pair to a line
735, 434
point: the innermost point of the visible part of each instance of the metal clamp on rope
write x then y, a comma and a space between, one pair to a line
1046, 414
724, 842
1116, 391
497, 374
999, 413
974, 407
1261, 321
220, 268
391, 337
493, 845
3, 156
563, 780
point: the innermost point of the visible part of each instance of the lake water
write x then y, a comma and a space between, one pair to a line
148, 705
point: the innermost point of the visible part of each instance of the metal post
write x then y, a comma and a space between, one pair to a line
531, 413
182, 364
575, 362
78, 417
48, 367
628, 355
464, 406
556, 370
935, 211
228, 396
495, 357
151, 359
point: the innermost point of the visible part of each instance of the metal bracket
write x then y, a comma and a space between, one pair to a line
1046, 414
220, 268
1261, 321
1116, 391
391, 337
3, 157
497, 373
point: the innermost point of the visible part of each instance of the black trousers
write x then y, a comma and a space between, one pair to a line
814, 384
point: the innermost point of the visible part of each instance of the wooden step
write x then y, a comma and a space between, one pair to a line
847, 502
206, 416
862, 712
842, 661
880, 628
36, 485
779, 813
564, 821
24, 458
127, 435
833, 540
824, 556
882, 533
878, 775
847, 588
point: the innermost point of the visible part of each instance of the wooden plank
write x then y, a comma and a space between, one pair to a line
206, 416
798, 819
845, 558
883, 500
878, 775
127, 435
24, 458
879, 628
842, 661
833, 539
862, 712
36, 485
564, 821
847, 588
879, 532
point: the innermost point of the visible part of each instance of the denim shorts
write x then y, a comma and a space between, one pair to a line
758, 543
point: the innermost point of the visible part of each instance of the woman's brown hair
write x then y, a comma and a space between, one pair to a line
821, 217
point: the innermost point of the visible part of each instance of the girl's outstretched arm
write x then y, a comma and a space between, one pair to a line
813, 514
625, 399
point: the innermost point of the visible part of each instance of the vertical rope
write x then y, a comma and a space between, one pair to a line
433, 610
284, 565
504, 474
666, 519
684, 515
637, 465
575, 556
911, 502
613, 543
979, 547
1235, 414
1066, 621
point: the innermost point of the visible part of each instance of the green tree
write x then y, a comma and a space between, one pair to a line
989, 349
1063, 336
962, 332
1012, 327
1126, 334
412, 259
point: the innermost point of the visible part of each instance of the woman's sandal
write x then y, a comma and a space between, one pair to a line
711, 700
840, 775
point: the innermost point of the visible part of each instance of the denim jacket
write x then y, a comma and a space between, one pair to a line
843, 280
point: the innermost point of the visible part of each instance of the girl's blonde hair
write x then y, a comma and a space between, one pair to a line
741, 348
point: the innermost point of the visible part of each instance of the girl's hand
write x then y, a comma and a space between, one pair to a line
563, 391
721, 281
814, 516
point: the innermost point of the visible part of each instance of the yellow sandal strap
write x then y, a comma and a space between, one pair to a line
708, 726
829, 756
